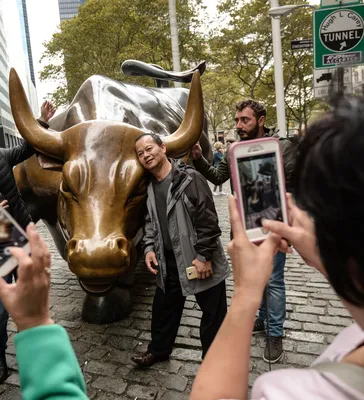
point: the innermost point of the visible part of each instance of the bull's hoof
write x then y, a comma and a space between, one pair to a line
112, 307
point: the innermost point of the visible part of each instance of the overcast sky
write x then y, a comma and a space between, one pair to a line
43, 18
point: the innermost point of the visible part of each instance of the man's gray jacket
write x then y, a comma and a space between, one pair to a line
193, 229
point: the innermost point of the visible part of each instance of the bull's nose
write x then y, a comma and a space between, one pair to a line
89, 258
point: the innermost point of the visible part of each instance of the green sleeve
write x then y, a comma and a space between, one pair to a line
48, 366
218, 175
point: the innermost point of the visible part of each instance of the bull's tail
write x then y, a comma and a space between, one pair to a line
139, 68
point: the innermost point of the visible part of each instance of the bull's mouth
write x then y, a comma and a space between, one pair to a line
97, 287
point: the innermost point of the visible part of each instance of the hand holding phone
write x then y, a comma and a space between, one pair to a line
259, 184
11, 235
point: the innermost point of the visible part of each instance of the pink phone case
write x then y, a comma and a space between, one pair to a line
235, 175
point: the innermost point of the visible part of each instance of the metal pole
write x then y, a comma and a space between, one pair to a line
340, 80
174, 38
278, 71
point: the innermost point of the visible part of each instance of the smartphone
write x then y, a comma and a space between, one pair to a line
11, 235
191, 272
258, 180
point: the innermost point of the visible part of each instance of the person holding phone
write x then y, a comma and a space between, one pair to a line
11, 199
48, 367
181, 230
249, 122
326, 222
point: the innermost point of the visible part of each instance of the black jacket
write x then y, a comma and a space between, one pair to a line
221, 173
9, 158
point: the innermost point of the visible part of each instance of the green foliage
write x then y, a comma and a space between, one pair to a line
107, 32
244, 48
221, 92
240, 54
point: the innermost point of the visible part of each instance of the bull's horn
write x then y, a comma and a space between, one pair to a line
45, 141
190, 130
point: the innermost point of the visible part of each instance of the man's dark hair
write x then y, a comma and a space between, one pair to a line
330, 187
258, 108
156, 138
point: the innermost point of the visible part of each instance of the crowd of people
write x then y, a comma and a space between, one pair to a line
181, 230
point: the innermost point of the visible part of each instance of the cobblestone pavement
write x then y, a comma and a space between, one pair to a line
314, 317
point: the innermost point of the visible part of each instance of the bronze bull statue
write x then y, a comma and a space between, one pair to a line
86, 183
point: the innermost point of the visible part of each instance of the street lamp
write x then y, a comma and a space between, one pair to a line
276, 12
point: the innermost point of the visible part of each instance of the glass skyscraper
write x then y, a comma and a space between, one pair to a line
69, 8
15, 51
7, 126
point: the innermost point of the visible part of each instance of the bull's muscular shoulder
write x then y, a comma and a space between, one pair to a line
159, 110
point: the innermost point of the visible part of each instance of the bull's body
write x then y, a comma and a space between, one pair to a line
87, 184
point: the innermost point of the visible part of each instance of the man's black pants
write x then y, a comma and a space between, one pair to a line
167, 312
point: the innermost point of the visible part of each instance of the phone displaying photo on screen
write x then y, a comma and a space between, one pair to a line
260, 189
259, 185
11, 235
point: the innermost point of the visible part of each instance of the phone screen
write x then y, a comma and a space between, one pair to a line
260, 189
11, 235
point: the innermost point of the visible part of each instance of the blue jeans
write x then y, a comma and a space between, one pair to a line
4, 316
276, 298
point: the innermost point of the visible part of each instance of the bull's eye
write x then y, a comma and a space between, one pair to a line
66, 191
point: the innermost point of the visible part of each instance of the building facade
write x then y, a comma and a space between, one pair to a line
69, 8
7, 127
15, 51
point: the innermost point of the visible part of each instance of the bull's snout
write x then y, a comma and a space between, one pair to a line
102, 259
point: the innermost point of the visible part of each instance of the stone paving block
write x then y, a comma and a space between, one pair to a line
121, 343
306, 337
311, 348
303, 317
322, 328
100, 368
341, 312
142, 392
296, 300
188, 342
13, 379
186, 355
310, 310
303, 360
336, 321
112, 385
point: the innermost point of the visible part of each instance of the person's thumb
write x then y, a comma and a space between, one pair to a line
271, 244
155, 262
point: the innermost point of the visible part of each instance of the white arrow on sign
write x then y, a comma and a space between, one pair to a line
342, 45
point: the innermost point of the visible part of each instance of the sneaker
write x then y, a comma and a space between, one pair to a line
276, 350
258, 326
222, 193
215, 194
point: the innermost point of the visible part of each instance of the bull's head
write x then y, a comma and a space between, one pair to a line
103, 188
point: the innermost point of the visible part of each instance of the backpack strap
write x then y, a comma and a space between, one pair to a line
352, 375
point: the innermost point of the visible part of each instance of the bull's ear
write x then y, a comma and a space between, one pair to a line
49, 163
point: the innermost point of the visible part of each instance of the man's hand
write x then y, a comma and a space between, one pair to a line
27, 300
252, 264
196, 151
301, 234
4, 204
150, 260
47, 111
204, 269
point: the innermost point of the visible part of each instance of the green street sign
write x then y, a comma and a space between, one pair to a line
338, 3
338, 36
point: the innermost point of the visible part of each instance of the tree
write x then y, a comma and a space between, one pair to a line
244, 50
220, 97
107, 32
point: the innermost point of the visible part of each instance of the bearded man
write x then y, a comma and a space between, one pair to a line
249, 123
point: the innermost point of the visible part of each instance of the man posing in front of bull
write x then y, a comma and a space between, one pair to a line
181, 230
249, 122
12, 200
